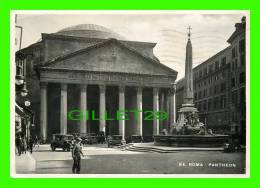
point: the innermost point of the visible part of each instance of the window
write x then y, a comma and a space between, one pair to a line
242, 60
233, 116
205, 106
223, 87
223, 74
199, 107
200, 74
205, 92
242, 45
233, 82
223, 61
215, 89
19, 67
234, 52
216, 103
210, 91
211, 68
205, 71
236, 64
209, 104
223, 101
196, 76
242, 77
234, 97
216, 65
242, 96
195, 96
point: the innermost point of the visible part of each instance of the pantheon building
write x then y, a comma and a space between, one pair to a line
89, 68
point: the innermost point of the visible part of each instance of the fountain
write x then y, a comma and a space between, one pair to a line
188, 131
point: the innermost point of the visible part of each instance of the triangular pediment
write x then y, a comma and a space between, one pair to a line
110, 56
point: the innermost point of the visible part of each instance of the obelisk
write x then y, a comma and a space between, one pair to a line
187, 114
188, 87
188, 106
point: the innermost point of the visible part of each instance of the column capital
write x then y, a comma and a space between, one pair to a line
43, 84
156, 90
102, 88
63, 86
83, 86
139, 89
172, 89
121, 88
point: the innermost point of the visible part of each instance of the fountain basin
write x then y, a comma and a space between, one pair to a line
191, 140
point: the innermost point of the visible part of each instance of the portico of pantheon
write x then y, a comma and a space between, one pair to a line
91, 68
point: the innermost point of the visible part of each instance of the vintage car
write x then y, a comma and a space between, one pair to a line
90, 138
114, 140
101, 138
136, 139
232, 145
63, 141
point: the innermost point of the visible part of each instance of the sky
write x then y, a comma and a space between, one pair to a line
209, 32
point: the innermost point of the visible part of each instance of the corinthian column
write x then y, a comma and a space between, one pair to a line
102, 108
63, 109
83, 108
172, 114
155, 110
139, 108
122, 107
162, 108
43, 112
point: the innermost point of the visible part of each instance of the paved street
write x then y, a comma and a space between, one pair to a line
102, 160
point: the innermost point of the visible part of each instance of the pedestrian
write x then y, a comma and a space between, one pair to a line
18, 144
36, 141
30, 144
24, 145
76, 155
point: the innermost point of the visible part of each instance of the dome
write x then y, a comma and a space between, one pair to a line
90, 31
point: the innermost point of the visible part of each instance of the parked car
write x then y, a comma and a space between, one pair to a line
232, 145
63, 141
101, 139
90, 138
136, 139
114, 140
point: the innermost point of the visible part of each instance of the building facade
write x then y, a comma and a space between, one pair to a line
219, 87
91, 72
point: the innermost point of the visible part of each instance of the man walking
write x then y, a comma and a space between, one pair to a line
30, 144
18, 143
76, 155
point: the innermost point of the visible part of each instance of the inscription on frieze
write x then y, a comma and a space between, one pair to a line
107, 77
106, 58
